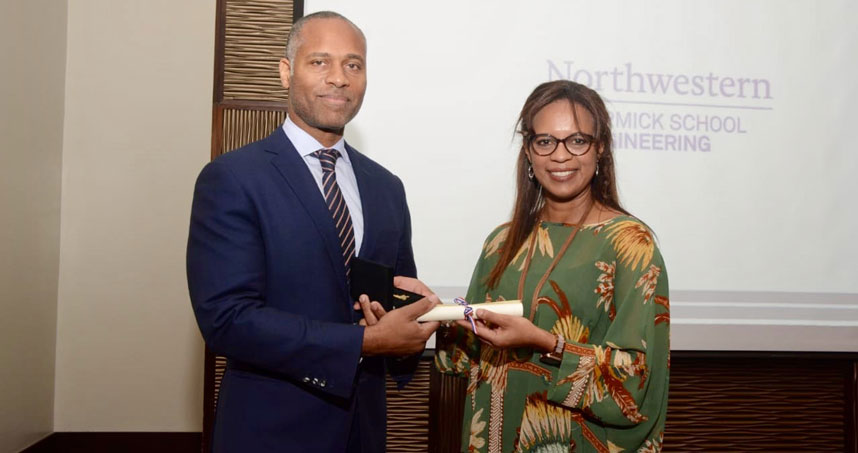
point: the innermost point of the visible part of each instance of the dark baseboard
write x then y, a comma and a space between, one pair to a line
131, 442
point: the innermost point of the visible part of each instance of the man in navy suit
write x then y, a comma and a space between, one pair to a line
273, 228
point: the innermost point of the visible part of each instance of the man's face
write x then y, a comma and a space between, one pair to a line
327, 77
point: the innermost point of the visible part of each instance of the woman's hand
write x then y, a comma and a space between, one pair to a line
506, 332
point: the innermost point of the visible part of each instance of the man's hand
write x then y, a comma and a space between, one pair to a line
505, 331
372, 311
413, 285
398, 333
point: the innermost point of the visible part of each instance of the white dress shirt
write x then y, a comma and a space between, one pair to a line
306, 145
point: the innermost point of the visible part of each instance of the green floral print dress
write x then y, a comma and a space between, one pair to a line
608, 297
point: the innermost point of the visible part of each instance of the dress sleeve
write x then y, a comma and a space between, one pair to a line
611, 381
455, 350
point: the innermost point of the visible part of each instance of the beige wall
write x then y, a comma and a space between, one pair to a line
32, 72
137, 132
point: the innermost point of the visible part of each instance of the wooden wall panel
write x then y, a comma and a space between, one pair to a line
243, 126
448, 410
254, 42
757, 405
408, 413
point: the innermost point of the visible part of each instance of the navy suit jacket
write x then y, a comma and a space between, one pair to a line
269, 291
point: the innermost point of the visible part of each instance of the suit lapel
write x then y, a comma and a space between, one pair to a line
368, 193
299, 179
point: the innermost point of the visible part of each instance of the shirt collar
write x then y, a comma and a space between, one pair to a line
306, 145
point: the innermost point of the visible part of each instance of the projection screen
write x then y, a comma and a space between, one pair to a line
734, 127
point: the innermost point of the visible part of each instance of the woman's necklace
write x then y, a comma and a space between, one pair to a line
529, 258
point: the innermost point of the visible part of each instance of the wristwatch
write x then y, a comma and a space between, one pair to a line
554, 357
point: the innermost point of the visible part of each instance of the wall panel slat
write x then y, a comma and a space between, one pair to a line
254, 42
408, 413
243, 126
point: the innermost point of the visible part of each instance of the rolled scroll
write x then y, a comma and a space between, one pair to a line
450, 312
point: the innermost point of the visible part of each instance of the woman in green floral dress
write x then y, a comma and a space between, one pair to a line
586, 368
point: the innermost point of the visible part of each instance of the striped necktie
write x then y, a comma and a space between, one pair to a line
337, 204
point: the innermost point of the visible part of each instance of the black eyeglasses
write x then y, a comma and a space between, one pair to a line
577, 144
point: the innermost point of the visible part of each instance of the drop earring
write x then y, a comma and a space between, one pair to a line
530, 171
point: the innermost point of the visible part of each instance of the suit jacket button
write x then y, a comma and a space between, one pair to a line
323, 383
306, 379
315, 381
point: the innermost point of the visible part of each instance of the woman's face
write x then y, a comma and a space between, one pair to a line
564, 177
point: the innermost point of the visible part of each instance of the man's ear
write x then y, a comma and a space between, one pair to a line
285, 72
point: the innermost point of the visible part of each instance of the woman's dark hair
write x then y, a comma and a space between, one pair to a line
528, 200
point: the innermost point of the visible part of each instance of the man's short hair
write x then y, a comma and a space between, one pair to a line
293, 41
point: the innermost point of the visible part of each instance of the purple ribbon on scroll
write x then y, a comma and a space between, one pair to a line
469, 311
